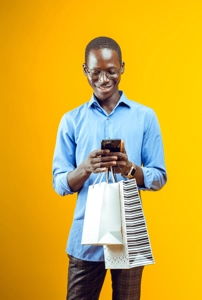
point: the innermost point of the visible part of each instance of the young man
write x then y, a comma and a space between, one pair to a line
78, 158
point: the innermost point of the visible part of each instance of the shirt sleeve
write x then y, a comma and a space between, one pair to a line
64, 157
153, 167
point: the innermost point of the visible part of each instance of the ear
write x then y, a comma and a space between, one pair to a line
122, 67
84, 69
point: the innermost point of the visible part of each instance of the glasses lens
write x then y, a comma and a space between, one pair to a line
95, 74
110, 74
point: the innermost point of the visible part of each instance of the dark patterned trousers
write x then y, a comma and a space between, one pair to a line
85, 280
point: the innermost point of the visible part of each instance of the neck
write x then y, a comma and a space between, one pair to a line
108, 104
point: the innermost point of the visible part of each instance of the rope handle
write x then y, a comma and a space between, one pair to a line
101, 175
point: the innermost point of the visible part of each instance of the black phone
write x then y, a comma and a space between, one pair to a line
114, 145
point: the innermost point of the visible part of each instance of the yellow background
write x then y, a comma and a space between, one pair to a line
42, 49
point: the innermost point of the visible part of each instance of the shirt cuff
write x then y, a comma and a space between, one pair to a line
154, 179
61, 185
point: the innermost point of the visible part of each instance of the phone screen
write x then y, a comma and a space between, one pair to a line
114, 145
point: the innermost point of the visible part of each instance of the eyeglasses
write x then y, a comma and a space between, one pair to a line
96, 74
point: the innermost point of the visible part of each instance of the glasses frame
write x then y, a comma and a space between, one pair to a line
109, 76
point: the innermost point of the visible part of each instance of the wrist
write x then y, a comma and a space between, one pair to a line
125, 170
130, 172
85, 170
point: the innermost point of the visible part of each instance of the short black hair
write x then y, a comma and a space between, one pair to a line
103, 42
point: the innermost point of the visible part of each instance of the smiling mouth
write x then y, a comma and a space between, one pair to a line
104, 88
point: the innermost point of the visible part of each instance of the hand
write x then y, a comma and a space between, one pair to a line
99, 161
123, 165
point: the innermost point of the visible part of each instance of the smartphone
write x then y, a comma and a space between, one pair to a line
114, 145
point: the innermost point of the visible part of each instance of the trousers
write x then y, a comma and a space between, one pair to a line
85, 280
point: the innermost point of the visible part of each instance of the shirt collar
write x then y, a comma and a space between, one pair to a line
123, 99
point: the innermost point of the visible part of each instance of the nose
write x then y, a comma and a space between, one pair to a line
103, 77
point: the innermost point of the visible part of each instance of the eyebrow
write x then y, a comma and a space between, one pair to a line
101, 70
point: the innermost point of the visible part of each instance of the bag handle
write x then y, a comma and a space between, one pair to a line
101, 175
113, 175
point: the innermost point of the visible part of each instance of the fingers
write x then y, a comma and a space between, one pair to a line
100, 160
121, 156
103, 163
106, 152
122, 161
100, 170
99, 152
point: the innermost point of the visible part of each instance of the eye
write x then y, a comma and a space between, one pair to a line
95, 72
112, 72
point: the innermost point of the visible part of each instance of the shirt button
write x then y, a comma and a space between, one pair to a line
107, 118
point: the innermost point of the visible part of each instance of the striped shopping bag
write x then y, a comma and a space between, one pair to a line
136, 249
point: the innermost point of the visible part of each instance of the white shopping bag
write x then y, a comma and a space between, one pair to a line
136, 248
102, 221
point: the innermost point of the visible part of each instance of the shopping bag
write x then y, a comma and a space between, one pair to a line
136, 249
102, 220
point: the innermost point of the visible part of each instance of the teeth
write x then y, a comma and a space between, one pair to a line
104, 88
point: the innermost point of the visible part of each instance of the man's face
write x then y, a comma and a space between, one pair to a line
103, 70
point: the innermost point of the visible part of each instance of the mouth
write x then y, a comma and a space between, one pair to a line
104, 88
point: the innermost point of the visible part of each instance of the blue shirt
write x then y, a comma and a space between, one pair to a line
81, 131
